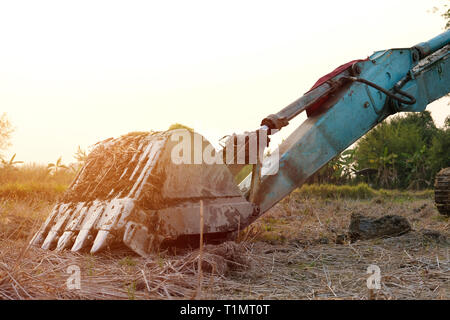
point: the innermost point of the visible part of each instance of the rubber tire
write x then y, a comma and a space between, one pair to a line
442, 191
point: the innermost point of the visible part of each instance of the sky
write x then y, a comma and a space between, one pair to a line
76, 72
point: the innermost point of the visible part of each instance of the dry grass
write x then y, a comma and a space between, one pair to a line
19, 218
31, 191
315, 221
33, 182
35, 173
288, 254
31, 273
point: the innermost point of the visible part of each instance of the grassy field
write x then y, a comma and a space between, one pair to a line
296, 251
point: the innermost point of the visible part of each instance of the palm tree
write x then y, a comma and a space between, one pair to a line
10, 163
56, 167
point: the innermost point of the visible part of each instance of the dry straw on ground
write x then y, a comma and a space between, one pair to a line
288, 254
36, 274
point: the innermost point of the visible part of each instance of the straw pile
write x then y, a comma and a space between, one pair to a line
108, 168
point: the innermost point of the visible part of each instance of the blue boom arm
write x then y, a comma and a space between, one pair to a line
348, 105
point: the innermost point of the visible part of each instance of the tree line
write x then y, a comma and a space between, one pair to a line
403, 152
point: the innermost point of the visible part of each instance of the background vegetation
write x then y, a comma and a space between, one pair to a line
404, 152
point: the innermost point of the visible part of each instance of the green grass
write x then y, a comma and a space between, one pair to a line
127, 261
360, 191
176, 126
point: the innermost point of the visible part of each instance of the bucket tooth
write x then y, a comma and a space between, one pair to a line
65, 241
50, 240
42, 234
81, 241
103, 239
38, 239
77, 218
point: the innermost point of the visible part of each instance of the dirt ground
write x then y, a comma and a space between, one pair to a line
296, 251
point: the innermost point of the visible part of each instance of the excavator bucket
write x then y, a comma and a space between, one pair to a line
131, 191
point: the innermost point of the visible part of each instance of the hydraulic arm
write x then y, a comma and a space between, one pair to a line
346, 104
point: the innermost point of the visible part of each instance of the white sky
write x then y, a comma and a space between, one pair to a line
73, 73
